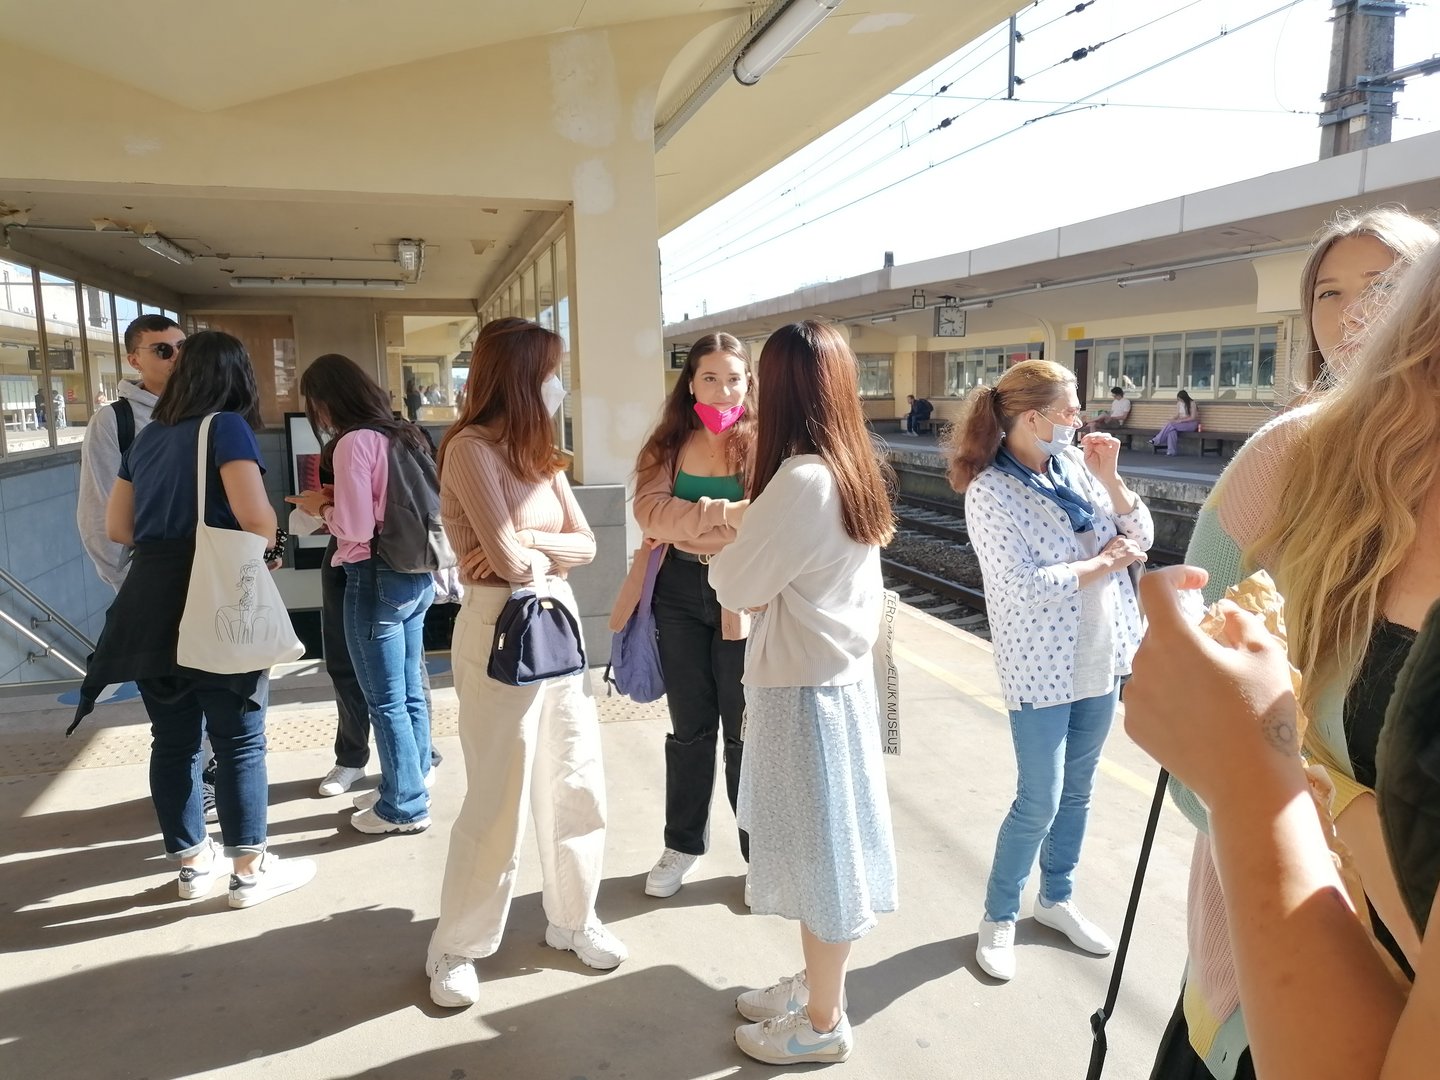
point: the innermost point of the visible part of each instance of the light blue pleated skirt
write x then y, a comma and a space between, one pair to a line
813, 799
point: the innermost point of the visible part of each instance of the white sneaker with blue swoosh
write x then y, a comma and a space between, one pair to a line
789, 1040
790, 994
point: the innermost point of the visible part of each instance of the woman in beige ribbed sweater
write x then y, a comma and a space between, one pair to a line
507, 507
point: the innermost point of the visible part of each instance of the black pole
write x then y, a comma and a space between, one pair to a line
1103, 1014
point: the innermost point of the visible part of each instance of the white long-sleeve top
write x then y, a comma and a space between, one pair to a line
823, 589
1025, 543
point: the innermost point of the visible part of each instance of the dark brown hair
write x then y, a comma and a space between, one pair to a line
989, 412
212, 373
512, 357
351, 399
810, 404
147, 324
677, 416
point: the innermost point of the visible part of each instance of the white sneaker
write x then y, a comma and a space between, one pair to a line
430, 778
667, 875
340, 779
995, 949
197, 881
454, 983
1066, 918
790, 994
593, 944
788, 1039
366, 799
273, 877
367, 821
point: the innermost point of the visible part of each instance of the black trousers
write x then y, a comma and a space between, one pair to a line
702, 687
352, 729
1177, 1059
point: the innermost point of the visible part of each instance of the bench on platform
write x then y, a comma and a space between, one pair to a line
886, 423
1211, 442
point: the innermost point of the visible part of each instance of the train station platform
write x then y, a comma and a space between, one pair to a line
108, 974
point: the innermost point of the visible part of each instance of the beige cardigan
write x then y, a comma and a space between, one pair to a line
700, 528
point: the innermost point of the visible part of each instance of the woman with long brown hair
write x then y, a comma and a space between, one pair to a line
385, 605
510, 513
812, 786
1054, 529
689, 495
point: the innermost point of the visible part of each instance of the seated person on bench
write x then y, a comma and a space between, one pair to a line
919, 414
1116, 417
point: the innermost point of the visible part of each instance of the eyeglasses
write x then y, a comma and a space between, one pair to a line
1067, 415
162, 349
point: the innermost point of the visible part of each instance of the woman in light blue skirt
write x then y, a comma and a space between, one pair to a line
812, 785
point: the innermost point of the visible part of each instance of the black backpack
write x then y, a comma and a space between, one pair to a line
411, 539
124, 423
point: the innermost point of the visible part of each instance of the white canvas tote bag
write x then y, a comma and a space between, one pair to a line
234, 620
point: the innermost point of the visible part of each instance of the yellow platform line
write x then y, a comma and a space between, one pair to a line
995, 704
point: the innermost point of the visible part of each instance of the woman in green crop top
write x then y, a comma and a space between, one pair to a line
689, 495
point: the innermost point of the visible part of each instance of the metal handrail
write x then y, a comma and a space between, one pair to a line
50, 613
50, 650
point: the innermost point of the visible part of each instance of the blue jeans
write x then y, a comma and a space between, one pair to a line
384, 626
241, 787
1056, 751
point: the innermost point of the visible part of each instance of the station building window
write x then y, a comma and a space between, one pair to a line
1228, 364
966, 369
877, 375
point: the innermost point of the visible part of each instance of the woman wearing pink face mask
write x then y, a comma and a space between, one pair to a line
689, 496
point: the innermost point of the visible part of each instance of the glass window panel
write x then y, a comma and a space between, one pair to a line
104, 356
1105, 365
877, 375
545, 290
22, 407
126, 312
67, 393
1200, 361
1237, 362
1265, 369
566, 421
173, 316
527, 286
1135, 366
1166, 355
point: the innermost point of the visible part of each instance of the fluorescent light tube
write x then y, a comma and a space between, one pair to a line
1145, 279
167, 249
316, 283
877, 319
782, 35
971, 305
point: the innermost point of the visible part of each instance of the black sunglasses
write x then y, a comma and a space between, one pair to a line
163, 349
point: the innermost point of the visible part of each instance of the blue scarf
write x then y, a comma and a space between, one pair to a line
1055, 485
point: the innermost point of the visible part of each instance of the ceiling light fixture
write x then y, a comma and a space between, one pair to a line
783, 34
167, 249
1145, 279
878, 319
971, 305
409, 253
316, 283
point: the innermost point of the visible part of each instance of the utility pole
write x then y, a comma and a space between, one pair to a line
1358, 111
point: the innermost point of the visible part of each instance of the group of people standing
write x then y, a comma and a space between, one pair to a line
765, 633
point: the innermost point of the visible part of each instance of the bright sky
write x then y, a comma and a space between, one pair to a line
1240, 106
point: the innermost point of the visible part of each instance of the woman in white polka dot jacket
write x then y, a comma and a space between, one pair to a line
1055, 530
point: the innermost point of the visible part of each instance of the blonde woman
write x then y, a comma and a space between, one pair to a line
1351, 535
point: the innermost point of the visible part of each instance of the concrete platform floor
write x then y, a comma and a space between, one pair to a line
106, 973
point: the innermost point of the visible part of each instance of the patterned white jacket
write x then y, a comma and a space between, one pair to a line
1024, 542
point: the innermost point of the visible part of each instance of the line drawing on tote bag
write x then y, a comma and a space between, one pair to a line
247, 622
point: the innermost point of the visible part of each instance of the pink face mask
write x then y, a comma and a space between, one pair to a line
717, 420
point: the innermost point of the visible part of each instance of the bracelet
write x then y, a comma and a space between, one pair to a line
273, 553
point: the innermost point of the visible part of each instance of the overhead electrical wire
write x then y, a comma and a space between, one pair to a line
684, 272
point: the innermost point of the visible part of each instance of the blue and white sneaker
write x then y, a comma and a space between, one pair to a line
790, 994
789, 1040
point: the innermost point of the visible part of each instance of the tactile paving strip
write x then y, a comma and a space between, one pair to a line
295, 726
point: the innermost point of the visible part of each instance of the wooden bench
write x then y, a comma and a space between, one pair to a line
1211, 442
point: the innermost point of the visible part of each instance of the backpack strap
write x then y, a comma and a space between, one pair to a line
124, 423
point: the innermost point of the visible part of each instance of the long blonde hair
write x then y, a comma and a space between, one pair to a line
1406, 235
1346, 519
989, 412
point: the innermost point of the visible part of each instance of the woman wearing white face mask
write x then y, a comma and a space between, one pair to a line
504, 498
1054, 529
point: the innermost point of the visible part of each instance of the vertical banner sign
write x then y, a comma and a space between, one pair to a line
887, 679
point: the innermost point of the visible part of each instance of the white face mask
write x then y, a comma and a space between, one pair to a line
552, 393
1061, 438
